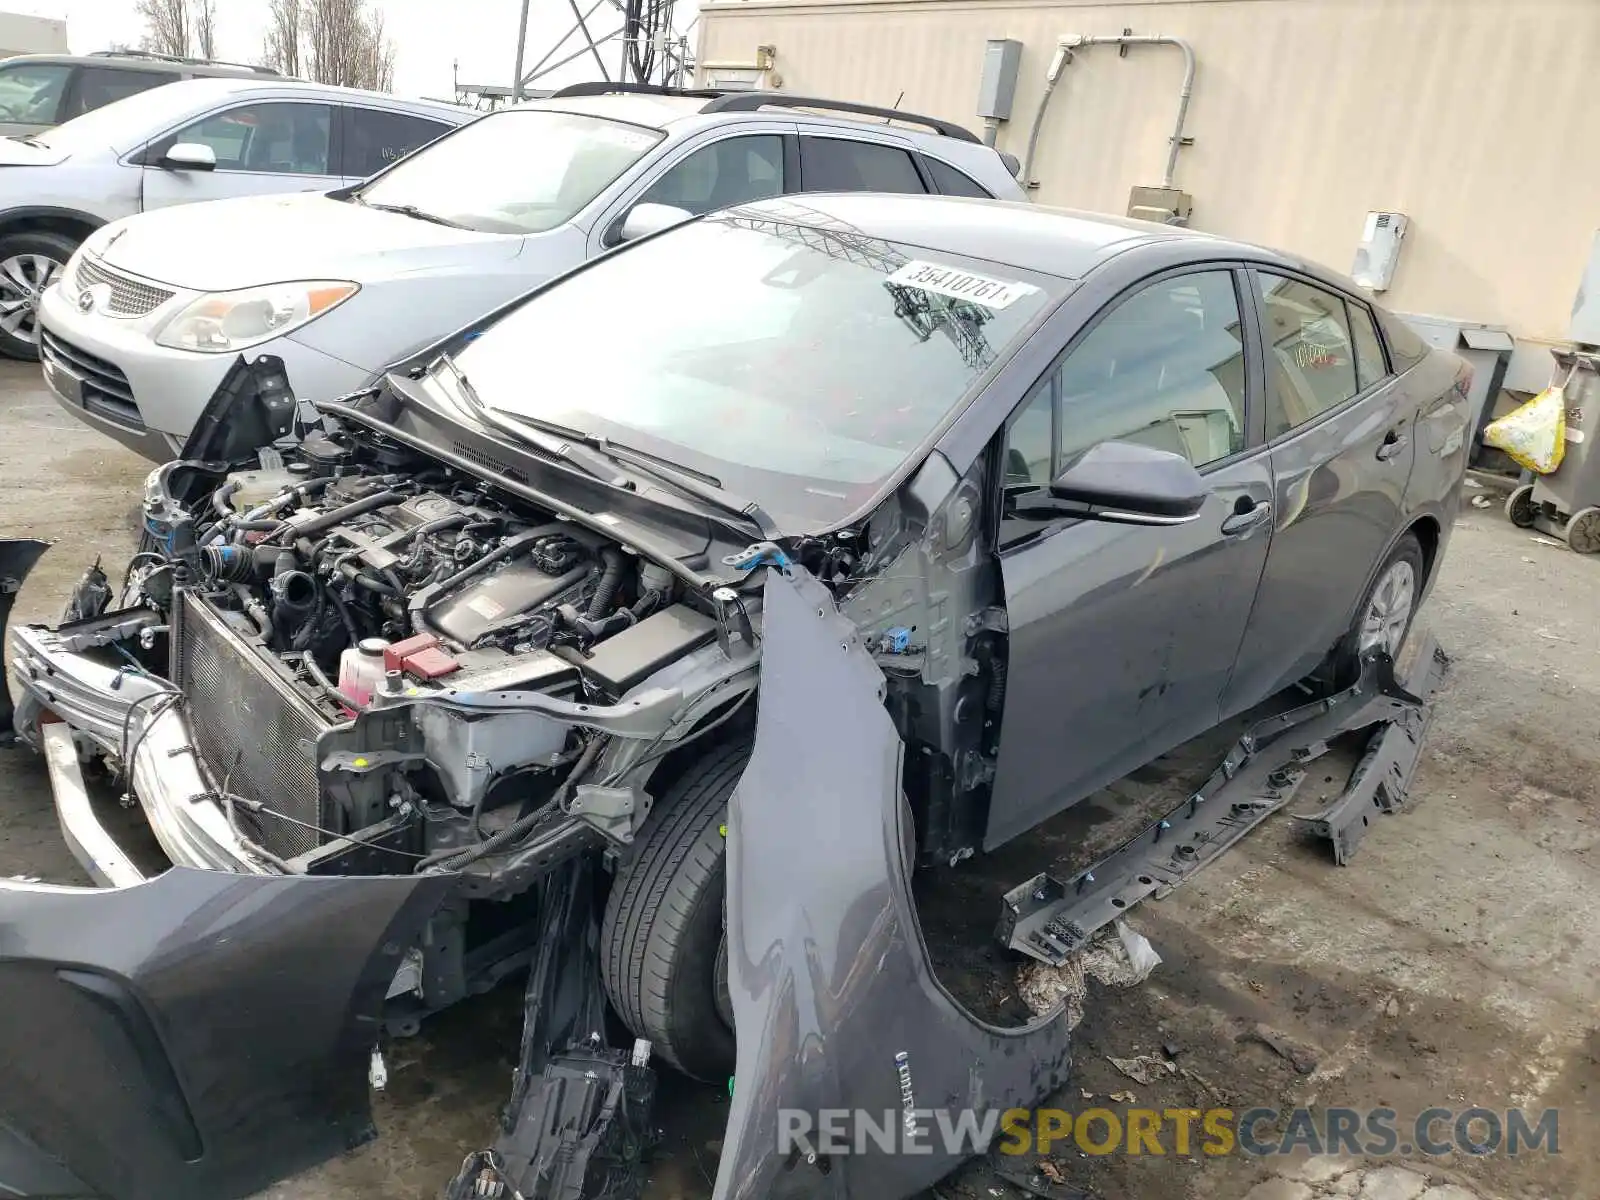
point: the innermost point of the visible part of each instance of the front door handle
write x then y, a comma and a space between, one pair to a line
1392, 443
1250, 518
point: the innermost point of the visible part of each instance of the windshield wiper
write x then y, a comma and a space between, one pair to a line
702, 487
411, 210
590, 464
706, 488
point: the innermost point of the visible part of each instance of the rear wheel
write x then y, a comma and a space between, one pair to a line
29, 263
663, 945
1386, 611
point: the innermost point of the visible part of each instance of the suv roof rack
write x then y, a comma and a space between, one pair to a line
157, 56
750, 101
601, 88
726, 101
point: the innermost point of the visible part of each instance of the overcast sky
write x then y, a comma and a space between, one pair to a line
481, 35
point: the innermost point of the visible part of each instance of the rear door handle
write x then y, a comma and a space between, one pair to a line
1392, 443
1250, 518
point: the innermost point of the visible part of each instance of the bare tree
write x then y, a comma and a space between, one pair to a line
205, 27
330, 41
166, 25
284, 30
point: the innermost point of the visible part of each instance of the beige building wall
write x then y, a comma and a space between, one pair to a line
24, 34
1478, 119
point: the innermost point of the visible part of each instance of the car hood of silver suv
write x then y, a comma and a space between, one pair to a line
273, 238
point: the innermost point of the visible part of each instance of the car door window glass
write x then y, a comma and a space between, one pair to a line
275, 139
837, 165
1311, 364
952, 182
378, 138
100, 86
1370, 367
732, 171
1164, 369
1030, 441
30, 93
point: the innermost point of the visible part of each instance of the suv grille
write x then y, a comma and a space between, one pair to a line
105, 389
129, 297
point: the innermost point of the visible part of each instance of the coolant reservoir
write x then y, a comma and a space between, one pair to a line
361, 670
257, 487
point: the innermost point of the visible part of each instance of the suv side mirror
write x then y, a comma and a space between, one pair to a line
190, 156
1122, 482
646, 218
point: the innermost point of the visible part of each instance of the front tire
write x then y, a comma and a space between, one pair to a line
662, 944
29, 263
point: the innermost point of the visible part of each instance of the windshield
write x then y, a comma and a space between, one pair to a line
521, 171
798, 366
123, 123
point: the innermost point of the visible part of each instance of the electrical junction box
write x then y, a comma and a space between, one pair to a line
1379, 251
1002, 59
1164, 205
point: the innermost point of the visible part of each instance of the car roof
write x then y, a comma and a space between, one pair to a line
1064, 242
137, 61
686, 113
217, 90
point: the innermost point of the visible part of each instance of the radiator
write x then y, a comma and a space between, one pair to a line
255, 735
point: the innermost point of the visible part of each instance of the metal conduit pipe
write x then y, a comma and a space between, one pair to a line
1063, 56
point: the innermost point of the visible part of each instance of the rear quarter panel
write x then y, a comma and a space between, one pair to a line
1439, 385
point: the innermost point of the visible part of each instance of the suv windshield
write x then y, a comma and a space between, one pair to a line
799, 366
522, 171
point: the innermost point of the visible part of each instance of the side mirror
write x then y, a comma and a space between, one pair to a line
644, 219
190, 156
1122, 482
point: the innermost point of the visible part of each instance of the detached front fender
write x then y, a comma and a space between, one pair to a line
197, 1036
838, 1013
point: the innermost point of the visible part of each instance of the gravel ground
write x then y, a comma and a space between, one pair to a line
1451, 964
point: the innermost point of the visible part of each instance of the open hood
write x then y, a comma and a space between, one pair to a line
222, 245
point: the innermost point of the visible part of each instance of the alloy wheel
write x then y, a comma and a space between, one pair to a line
23, 280
1389, 610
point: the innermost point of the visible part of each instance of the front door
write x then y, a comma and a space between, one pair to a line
261, 148
1122, 638
1342, 441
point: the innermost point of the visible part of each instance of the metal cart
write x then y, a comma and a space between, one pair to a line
1566, 503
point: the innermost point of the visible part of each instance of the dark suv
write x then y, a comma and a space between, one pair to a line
38, 91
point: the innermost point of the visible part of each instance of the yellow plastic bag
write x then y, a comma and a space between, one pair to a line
1535, 435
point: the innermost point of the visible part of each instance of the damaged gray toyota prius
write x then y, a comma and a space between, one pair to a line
644, 638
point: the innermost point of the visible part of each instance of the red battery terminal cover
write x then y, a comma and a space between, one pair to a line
419, 656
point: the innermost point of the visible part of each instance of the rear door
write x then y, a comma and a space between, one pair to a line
375, 138
261, 147
1342, 440
1122, 638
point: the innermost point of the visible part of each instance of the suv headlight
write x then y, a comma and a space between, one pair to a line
226, 321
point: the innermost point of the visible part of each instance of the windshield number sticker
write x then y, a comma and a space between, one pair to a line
960, 285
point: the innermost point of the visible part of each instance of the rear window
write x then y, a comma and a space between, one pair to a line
837, 165
952, 182
1406, 349
100, 86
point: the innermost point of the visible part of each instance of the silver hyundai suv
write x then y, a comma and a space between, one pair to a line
339, 285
